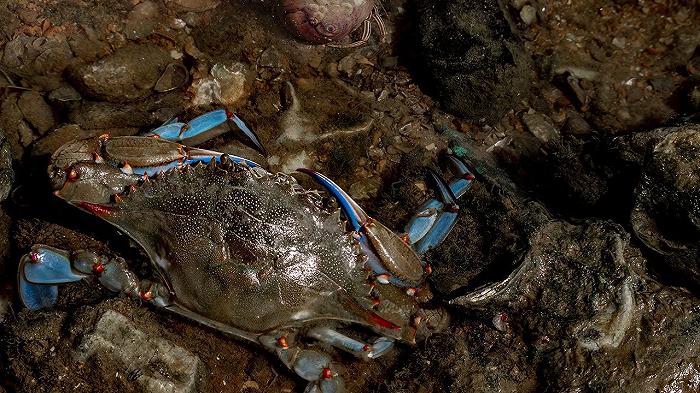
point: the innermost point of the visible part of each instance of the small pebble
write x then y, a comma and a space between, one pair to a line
528, 14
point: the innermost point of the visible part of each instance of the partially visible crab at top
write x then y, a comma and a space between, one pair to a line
245, 251
329, 21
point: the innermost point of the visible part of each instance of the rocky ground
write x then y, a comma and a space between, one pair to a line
574, 266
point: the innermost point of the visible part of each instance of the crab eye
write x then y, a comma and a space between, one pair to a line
72, 175
331, 29
313, 21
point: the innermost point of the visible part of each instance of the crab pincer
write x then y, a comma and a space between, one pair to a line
203, 128
436, 218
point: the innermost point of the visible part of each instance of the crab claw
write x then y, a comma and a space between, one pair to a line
393, 254
39, 272
203, 128
437, 217
48, 265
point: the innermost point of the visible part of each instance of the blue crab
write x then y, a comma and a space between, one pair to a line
246, 251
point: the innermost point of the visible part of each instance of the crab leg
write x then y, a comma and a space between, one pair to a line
390, 258
357, 348
311, 365
44, 268
203, 128
149, 156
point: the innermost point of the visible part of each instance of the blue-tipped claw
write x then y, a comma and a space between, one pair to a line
437, 234
437, 217
48, 265
464, 180
354, 213
420, 224
170, 131
35, 296
250, 134
38, 273
205, 127
381, 346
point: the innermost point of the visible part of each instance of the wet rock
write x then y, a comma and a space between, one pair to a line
37, 57
589, 315
193, 5
365, 188
12, 124
36, 111
7, 175
470, 358
93, 115
141, 20
64, 94
174, 77
226, 84
152, 362
272, 58
150, 112
60, 136
469, 58
528, 15
541, 127
666, 215
127, 74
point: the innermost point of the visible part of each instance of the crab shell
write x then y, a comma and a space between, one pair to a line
323, 21
238, 245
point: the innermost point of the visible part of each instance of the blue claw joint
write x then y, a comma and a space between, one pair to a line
437, 217
205, 127
39, 273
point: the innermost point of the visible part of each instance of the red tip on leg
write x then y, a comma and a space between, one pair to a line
327, 373
34, 256
146, 296
98, 268
282, 342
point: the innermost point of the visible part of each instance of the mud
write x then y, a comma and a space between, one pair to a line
573, 265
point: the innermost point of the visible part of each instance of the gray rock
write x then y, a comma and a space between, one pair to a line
528, 15
666, 215
141, 20
37, 57
128, 74
10, 120
64, 94
57, 138
36, 111
193, 5
583, 311
226, 84
576, 124
7, 175
469, 57
541, 127
153, 362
